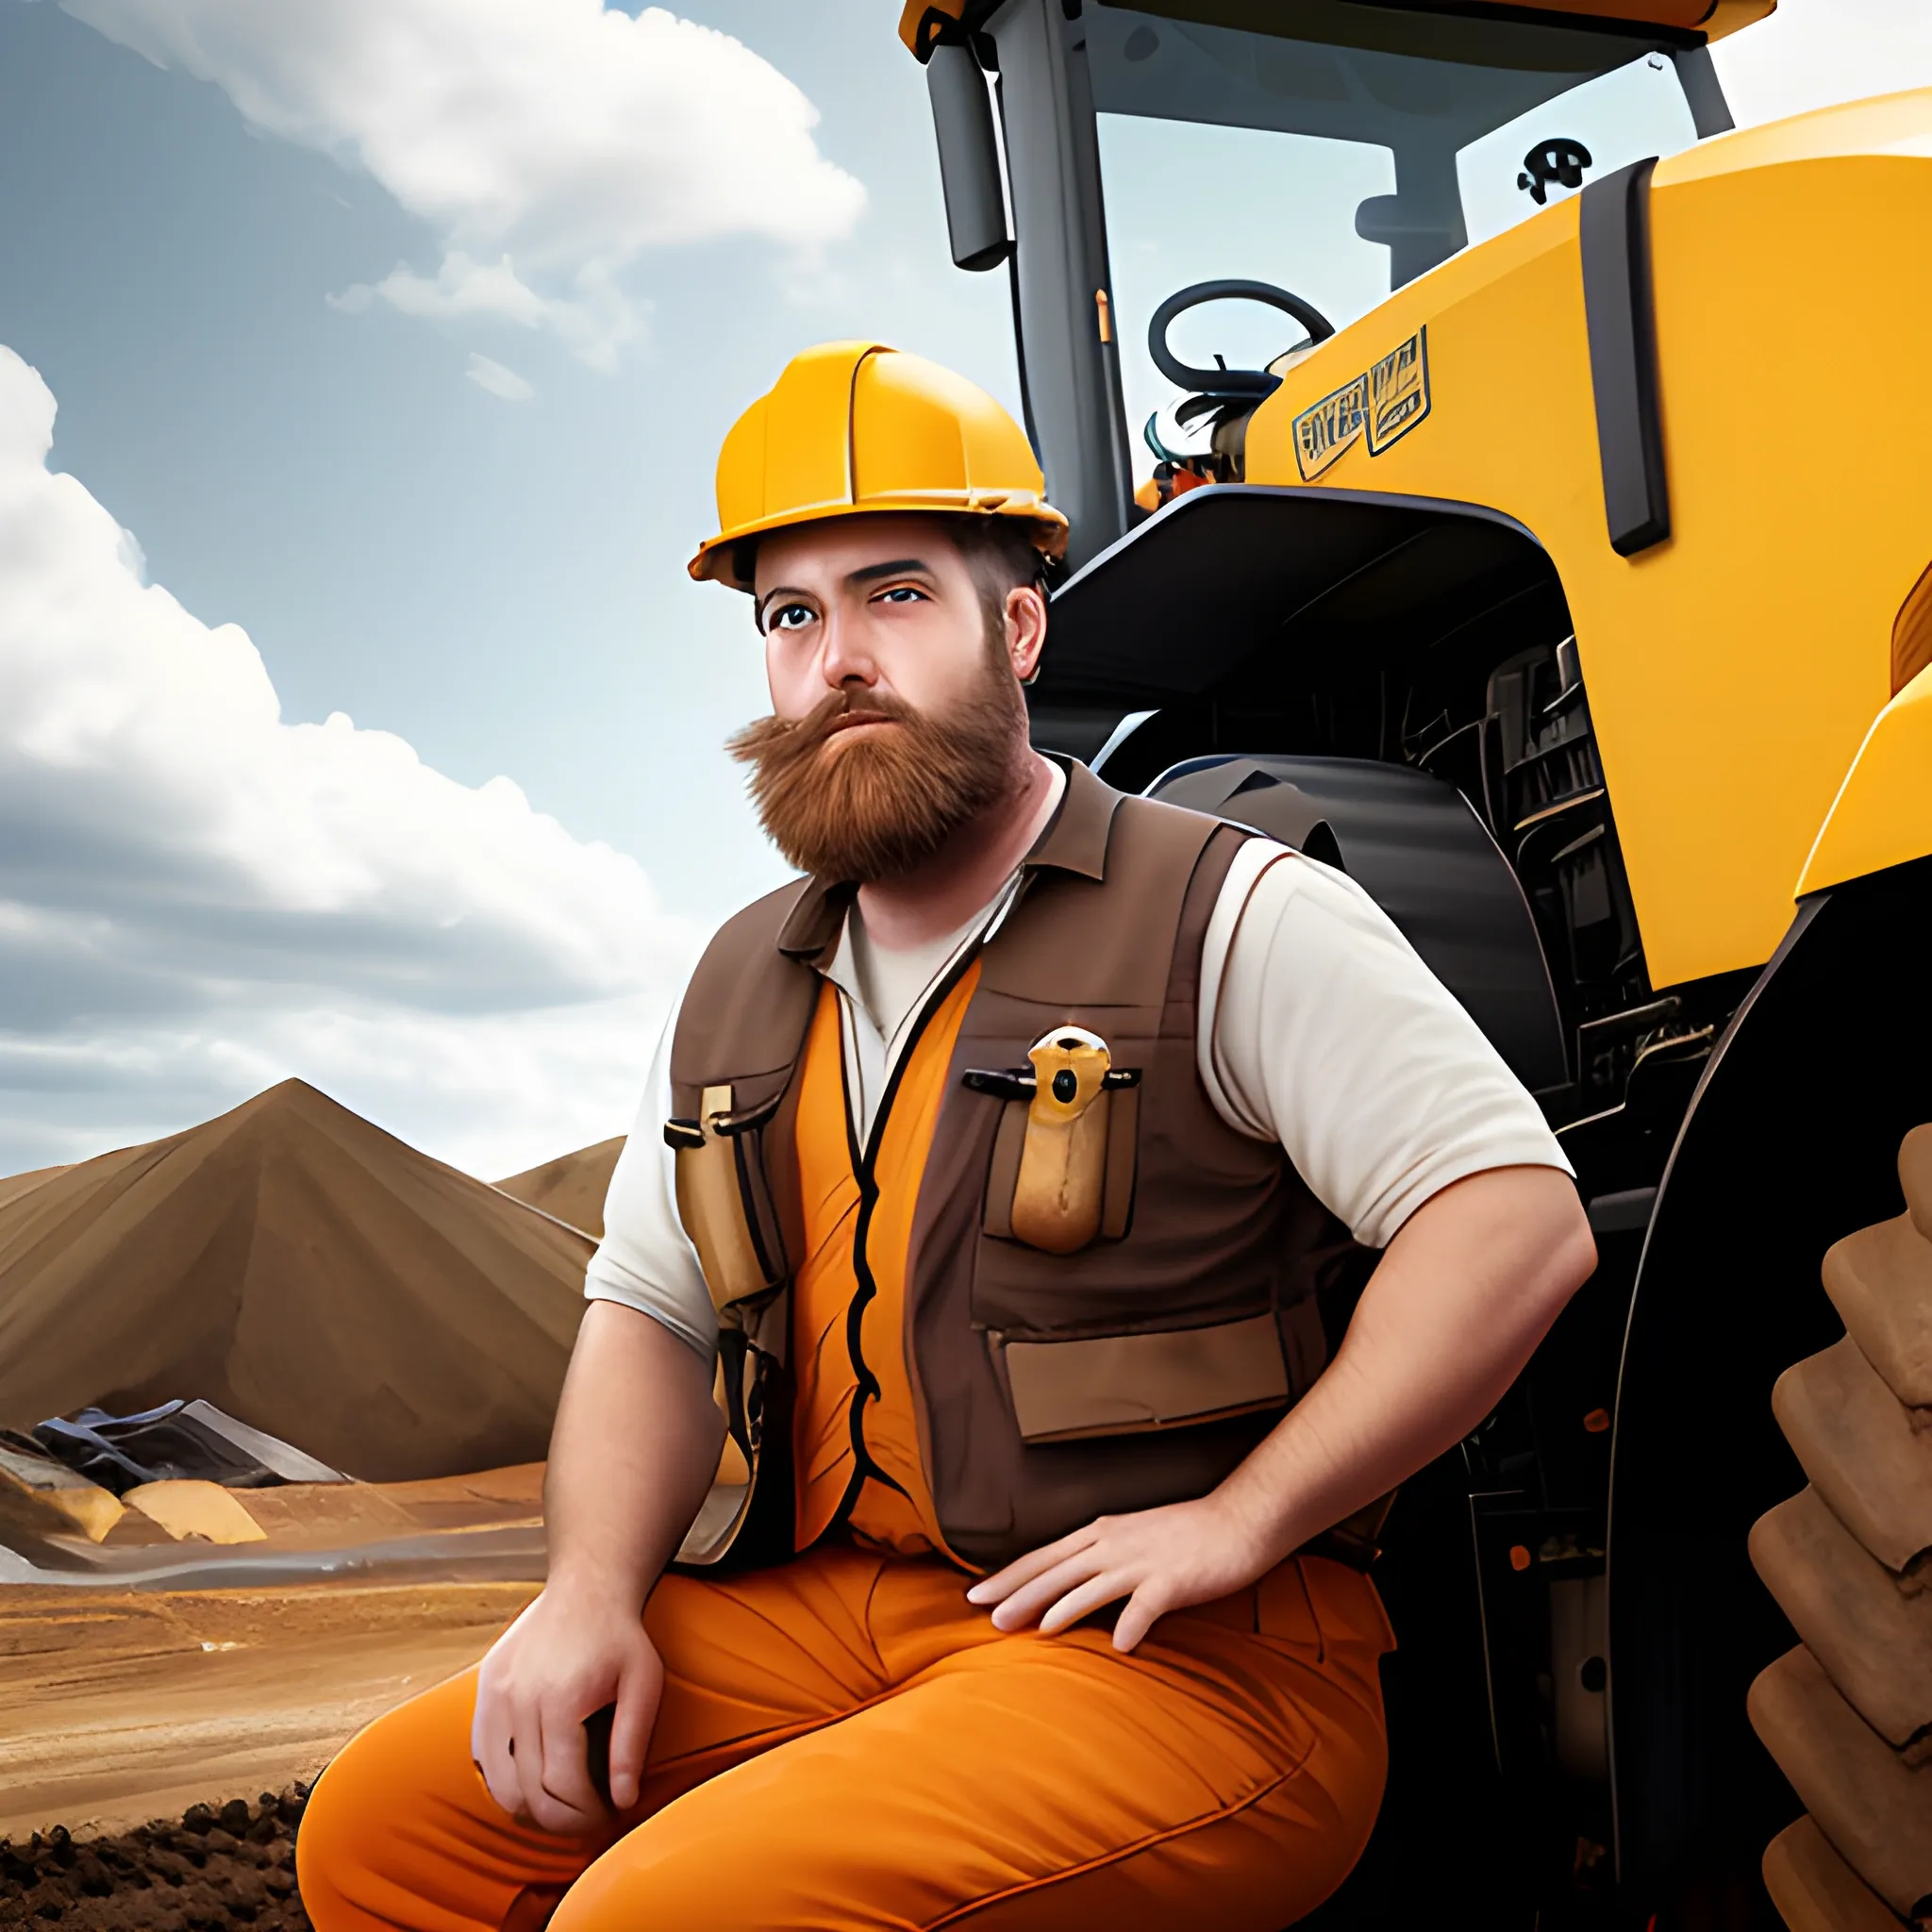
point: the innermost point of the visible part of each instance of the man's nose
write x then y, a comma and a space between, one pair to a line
844, 659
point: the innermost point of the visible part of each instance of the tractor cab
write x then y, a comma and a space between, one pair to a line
1305, 155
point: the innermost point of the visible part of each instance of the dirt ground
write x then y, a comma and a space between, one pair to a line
219, 1867
126, 1707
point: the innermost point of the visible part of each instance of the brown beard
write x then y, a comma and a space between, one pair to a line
881, 805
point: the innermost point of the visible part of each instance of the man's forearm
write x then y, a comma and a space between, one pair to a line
631, 1456
1454, 1310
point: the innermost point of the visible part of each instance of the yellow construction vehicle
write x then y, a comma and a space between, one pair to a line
1560, 563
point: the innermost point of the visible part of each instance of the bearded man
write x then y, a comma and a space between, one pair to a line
934, 1493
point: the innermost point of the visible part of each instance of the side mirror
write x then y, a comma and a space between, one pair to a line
969, 157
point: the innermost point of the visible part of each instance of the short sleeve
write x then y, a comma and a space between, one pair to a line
1321, 1028
646, 1260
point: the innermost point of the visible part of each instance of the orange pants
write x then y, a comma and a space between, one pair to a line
846, 1742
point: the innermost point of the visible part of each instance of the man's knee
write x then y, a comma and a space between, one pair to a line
343, 1828
363, 1846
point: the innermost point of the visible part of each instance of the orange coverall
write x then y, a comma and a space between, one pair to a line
844, 1742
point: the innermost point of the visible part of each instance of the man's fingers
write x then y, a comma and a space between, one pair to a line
526, 1746
1138, 1615
541, 1806
1082, 1601
1021, 1609
490, 1737
1022, 1569
566, 1770
630, 1729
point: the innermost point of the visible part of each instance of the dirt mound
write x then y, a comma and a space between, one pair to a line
572, 1186
223, 1865
306, 1273
15, 1185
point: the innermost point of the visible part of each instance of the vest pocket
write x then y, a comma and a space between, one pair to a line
724, 1198
1116, 1384
725, 1202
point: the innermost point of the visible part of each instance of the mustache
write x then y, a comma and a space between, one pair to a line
782, 744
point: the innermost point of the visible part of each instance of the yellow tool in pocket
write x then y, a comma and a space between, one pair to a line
1062, 1178
1063, 1155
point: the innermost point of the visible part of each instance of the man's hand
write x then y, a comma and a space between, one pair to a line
1159, 1559
559, 1661
631, 1457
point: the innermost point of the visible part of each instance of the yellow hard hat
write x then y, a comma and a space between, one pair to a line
854, 427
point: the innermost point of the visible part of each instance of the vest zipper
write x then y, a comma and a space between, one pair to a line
867, 1387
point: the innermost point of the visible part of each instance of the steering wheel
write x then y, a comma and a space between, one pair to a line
1226, 383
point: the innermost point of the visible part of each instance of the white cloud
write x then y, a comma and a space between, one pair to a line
197, 898
563, 135
1816, 53
594, 322
498, 380
460, 289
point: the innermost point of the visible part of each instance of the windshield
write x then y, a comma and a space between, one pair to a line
1335, 169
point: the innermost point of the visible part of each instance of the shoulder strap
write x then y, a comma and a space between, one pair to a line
1190, 935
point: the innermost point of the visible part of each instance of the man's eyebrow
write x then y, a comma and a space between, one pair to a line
780, 591
898, 567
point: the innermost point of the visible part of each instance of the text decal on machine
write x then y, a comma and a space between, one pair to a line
1383, 404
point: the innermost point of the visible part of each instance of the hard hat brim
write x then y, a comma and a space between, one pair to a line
716, 559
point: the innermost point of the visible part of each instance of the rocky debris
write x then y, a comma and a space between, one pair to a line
219, 1866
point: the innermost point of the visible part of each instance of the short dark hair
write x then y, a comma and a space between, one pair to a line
1001, 557
1001, 553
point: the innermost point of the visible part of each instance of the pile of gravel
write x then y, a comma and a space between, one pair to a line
220, 1866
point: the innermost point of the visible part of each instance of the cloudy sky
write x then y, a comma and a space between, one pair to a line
356, 718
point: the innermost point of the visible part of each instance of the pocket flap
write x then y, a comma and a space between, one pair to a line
1110, 1385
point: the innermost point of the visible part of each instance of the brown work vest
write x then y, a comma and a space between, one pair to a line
1155, 1312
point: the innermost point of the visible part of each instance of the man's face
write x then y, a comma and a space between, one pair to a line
875, 604
897, 713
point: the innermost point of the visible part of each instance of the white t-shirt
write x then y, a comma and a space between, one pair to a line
1319, 1028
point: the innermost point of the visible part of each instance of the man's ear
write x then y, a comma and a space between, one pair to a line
1025, 630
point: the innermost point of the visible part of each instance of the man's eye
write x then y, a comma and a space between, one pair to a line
791, 617
902, 593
